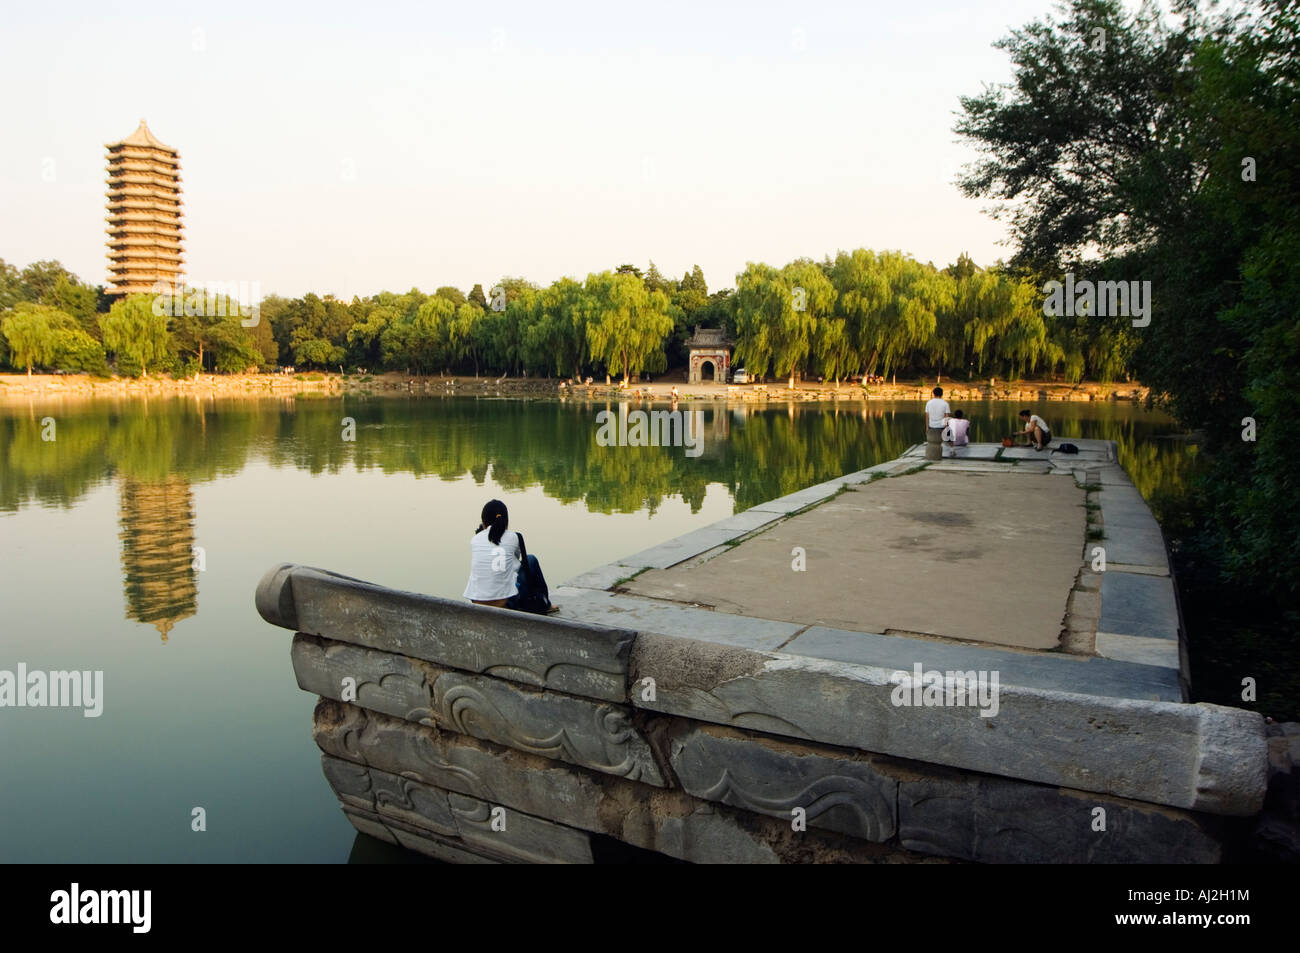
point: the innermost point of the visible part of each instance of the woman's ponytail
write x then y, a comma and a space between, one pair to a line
496, 519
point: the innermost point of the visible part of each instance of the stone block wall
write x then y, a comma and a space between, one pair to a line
474, 734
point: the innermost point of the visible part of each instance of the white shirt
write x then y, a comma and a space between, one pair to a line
492, 567
956, 431
1035, 419
935, 409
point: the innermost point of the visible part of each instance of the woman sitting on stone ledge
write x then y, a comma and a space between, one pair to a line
501, 571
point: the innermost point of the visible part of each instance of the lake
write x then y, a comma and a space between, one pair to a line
133, 541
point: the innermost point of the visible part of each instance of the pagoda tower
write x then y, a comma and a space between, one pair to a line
144, 214
157, 519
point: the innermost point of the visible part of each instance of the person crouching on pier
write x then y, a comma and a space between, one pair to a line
1036, 429
502, 573
956, 433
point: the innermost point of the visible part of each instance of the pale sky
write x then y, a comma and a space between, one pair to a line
358, 147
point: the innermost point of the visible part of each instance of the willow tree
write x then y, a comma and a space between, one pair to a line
761, 300
31, 330
891, 303
834, 350
625, 322
419, 340
133, 331
463, 339
1001, 317
812, 298
776, 315
560, 334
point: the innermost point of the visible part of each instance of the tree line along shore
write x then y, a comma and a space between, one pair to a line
861, 313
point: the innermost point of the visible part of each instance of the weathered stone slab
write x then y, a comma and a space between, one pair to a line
1138, 604
596, 735
1121, 495
1090, 450
1205, 757
658, 615
838, 790
977, 451
680, 548
1140, 570
745, 522
535, 650
480, 825
391, 795
423, 842
997, 821
869, 474
1134, 517
1022, 453
1134, 547
1050, 671
668, 821
1108, 475
602, 577
1140, 650
797, 501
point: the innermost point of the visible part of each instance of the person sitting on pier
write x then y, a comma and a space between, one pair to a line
956, 433
937, 413
1036, 429
502, 572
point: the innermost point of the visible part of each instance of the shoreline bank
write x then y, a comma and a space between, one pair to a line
45, 386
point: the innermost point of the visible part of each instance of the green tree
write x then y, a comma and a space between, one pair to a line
655, 281
1169, 155
319, 332
135, 335
626, 324
365, 335
11, 289
560, 333
420, 341
454, 295
30, 330
891, 304
75, 350
463, 338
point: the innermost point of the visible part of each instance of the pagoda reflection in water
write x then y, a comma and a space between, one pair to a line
157, 536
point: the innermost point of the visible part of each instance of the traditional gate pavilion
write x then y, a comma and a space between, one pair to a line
710, 355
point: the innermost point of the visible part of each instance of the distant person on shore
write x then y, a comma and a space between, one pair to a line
1036, 429
501, 571
957, 431
937, 413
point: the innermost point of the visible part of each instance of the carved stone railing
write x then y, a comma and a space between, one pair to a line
471, 733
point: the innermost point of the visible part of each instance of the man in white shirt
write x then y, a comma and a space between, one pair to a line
937, 412
1036, 429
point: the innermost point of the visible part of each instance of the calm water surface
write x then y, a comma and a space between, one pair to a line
101, 529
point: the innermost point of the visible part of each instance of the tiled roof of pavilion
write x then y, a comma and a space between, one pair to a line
709, 337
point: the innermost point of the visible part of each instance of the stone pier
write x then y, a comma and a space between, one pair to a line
973, 659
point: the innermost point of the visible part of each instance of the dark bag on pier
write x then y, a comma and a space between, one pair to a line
533, 594
1066, 448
